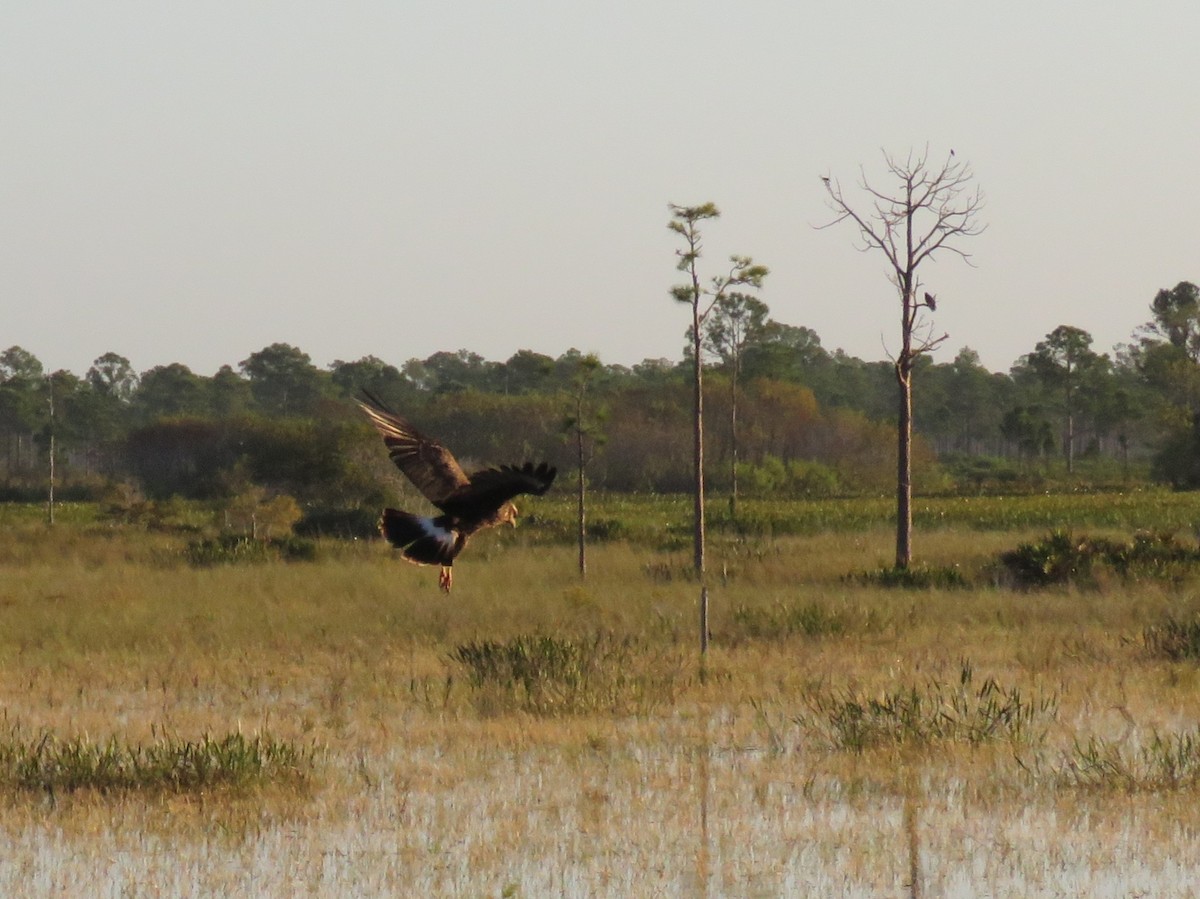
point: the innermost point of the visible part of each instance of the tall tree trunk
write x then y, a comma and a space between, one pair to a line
50, 497
1070, 427
904, 467
698, 441
582, 490
733, 444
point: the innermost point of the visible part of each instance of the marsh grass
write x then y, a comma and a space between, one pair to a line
1175, 637
1165, 763
659, 518
528, 777
931, 714
549, 675
45, 762
914, 577
782, 620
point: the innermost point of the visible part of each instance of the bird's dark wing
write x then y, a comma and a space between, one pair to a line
492, 487
424, 461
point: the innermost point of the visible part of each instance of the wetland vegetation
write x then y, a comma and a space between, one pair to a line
535, 733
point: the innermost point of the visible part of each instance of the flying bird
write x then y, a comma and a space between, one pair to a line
468, 503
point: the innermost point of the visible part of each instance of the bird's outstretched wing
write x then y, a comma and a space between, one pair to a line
430, 466
492, 487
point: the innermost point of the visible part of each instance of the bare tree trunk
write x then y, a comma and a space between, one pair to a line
698, 474
904, 469
904, 375
50, 499
733, 443
582, 494
742, 272
1070, 428
912, 831
698, 442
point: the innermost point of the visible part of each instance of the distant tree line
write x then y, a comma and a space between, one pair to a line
809, 421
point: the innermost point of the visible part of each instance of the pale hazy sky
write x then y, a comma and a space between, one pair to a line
191, 182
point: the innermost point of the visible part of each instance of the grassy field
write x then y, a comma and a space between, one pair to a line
337, 727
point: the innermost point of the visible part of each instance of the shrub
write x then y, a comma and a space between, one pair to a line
795, 478
601, 529
251, 512
1155, 555
124, 502
1061, 558
343, 523
980, 474
1058, 558
235, 549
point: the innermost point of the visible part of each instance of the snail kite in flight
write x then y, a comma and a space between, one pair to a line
467, 503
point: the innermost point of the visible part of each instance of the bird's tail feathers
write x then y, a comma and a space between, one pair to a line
420, 539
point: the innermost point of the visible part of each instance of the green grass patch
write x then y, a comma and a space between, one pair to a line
237, 549
664, 521
782, 620
931, 714
549, 675
48, 763
914, 577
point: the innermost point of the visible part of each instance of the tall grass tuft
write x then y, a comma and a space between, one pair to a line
234, 549
783, 620
550, 675
914, 577
1166, 763
48, 763
1174, 638
931, 714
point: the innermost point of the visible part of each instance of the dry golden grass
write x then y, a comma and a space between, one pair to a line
718, 785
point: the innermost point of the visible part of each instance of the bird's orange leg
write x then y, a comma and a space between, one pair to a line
446, 578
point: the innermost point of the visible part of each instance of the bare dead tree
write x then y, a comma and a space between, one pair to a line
931, 209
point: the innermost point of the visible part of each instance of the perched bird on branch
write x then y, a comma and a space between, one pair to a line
468, 503
931, 301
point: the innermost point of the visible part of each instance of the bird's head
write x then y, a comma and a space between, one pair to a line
508, 514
